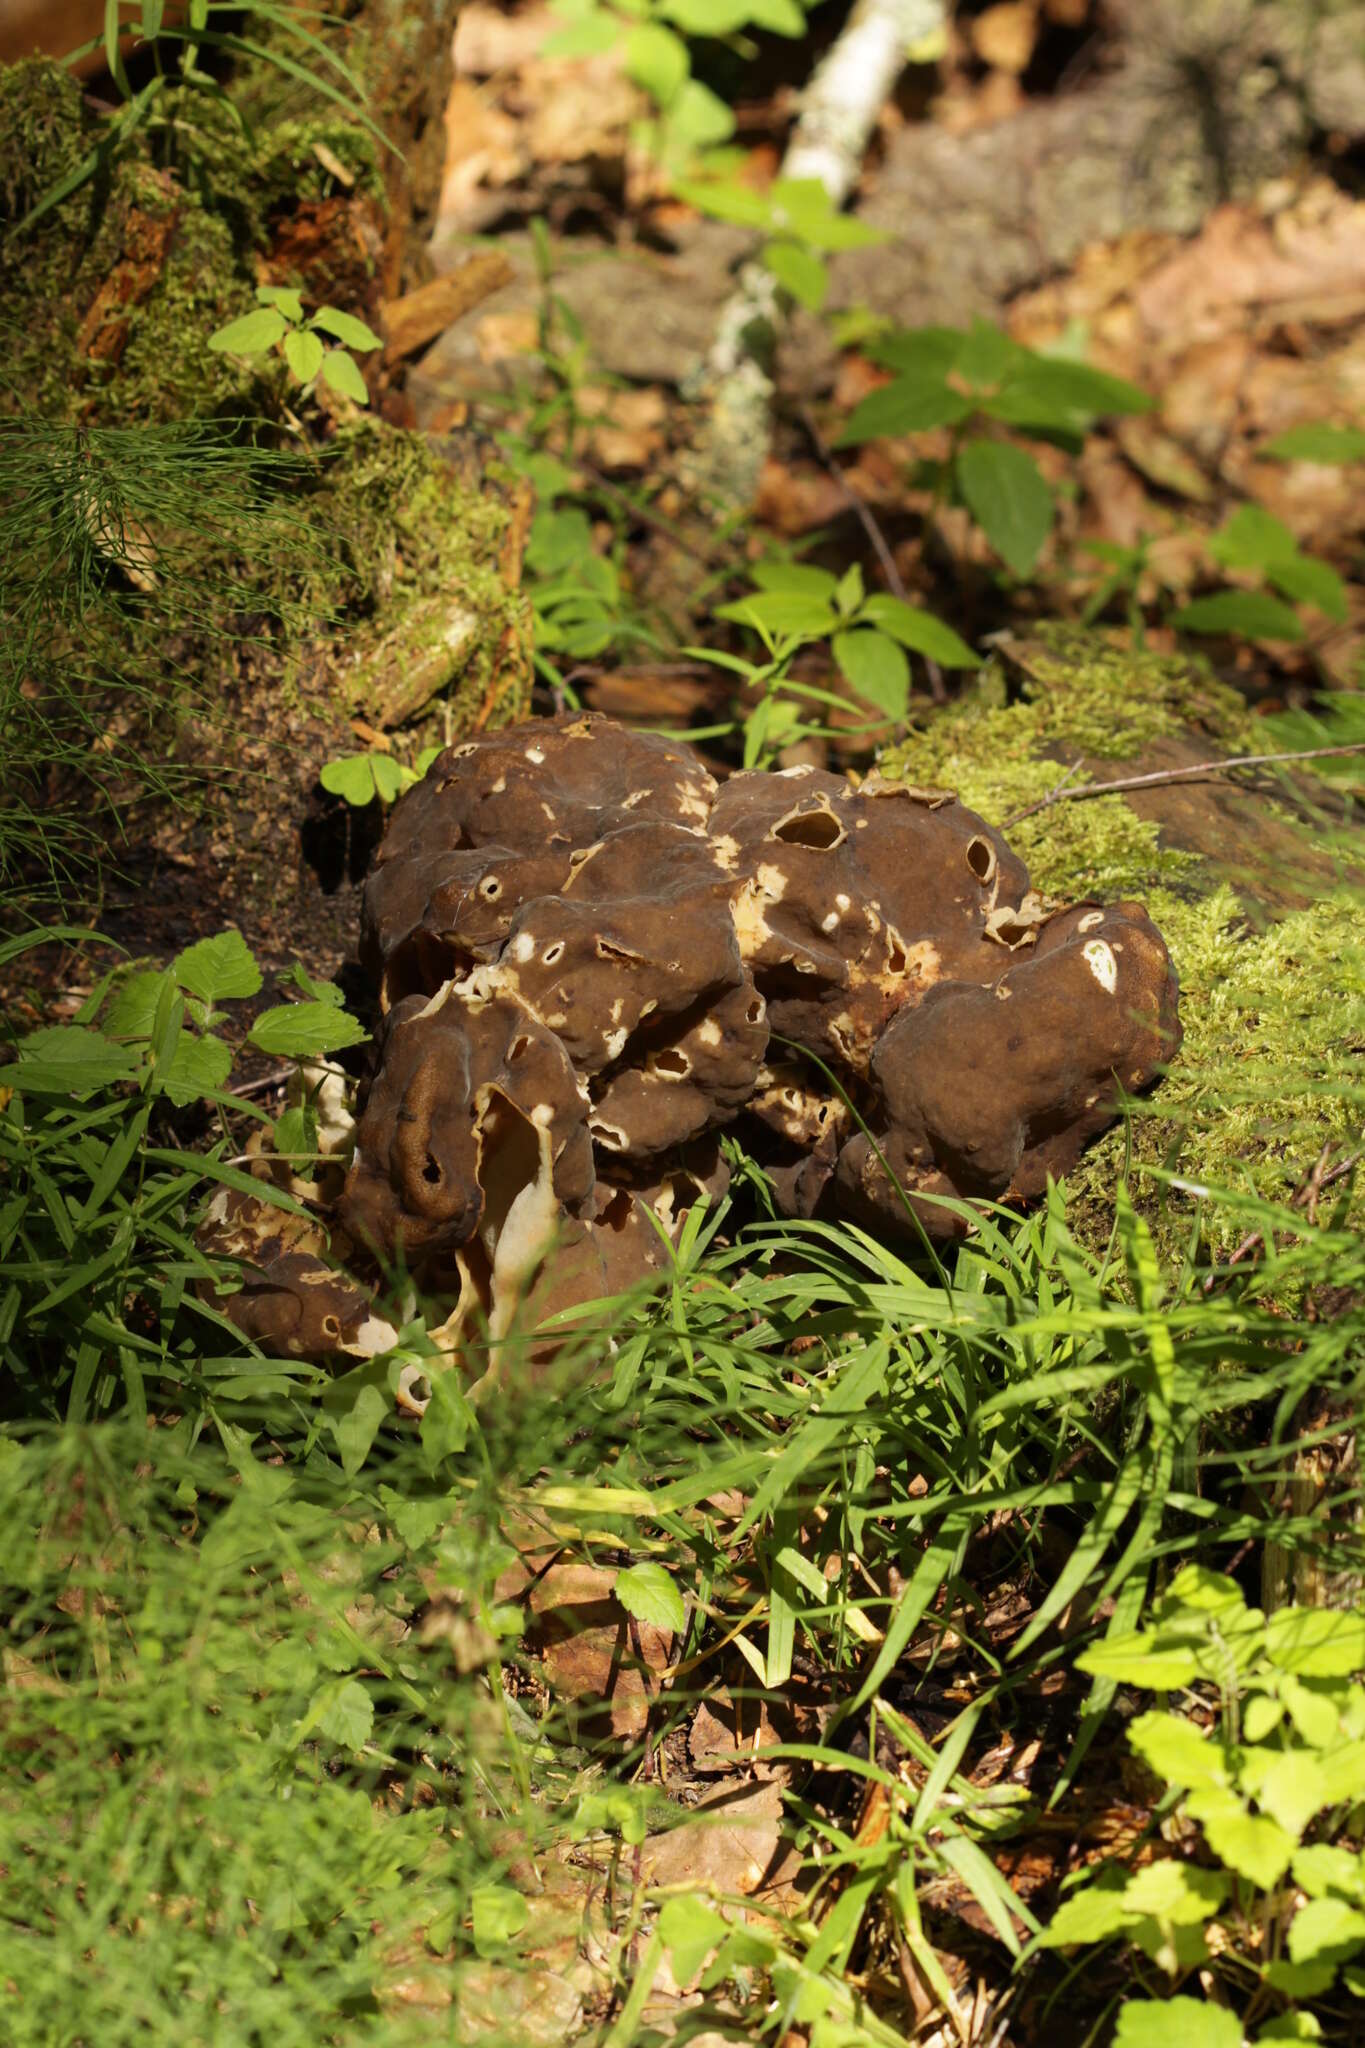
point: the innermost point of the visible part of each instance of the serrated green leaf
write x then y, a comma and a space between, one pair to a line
447, 1422
303, 352
1094, 1914
803, 208
592, 36
1316, 1642
1252, 538
800, 577
131, 1013
416, 1522
1007, 495
497, 1914
800, 273
1177, 1751
1306, 580
985, 356
779, 17
1250, 1844
909, 405
1290, 2026
1250, 612
1326, 1931
1321, 1869
918, 630
347, 1717
697, 118
1261, 1717
1291, 1787
875, 668
1180, 1894
70, 1059
1318, 442
1162, 2023
283, 297
341, 372
345, 327
1073, 388
657, 60
647, 1592
300, 1031
198, 1067
783, 614
254, 334
1141, 1659
706, 17
219, 968
355, 1407
690, 1931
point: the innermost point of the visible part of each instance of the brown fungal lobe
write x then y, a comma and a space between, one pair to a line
587, 953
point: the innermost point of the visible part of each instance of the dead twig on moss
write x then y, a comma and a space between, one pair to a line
1320, 1177
1198, 771
866, 518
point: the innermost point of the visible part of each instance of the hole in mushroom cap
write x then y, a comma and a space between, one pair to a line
815, 828
754, 1013
672, 1061
552, 953
490, 888
431, 1171
331, 1326
981, 858
897, 960
607, 949
608, 1136
518, 1048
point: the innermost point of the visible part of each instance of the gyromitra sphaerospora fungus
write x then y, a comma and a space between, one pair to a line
591, 958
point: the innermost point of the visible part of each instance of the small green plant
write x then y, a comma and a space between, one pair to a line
282, 42
1274, 1790
655, 34
97, 1251
1251, 541
279, 323
801, 223
373, 778
977, 378
871, 637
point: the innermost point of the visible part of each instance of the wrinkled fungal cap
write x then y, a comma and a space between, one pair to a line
988, 1091
588, 954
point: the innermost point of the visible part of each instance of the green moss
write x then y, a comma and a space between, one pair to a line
1273, 1017
415, 555
42, 118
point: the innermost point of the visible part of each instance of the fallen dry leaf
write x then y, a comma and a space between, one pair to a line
728, 1840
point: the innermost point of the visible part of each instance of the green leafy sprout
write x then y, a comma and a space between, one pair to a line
279, 323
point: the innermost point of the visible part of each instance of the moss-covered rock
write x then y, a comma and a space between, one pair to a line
1254, 892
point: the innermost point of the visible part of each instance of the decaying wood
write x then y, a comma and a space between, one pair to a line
416, 319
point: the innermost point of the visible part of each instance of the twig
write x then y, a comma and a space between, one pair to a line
862, 511
1305, 1197
1195, 773
264, 1082
895, 583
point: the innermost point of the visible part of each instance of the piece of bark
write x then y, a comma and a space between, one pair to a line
416, 319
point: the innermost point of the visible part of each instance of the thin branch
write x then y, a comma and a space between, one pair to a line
1305, 1197
862, 511
1197, 772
